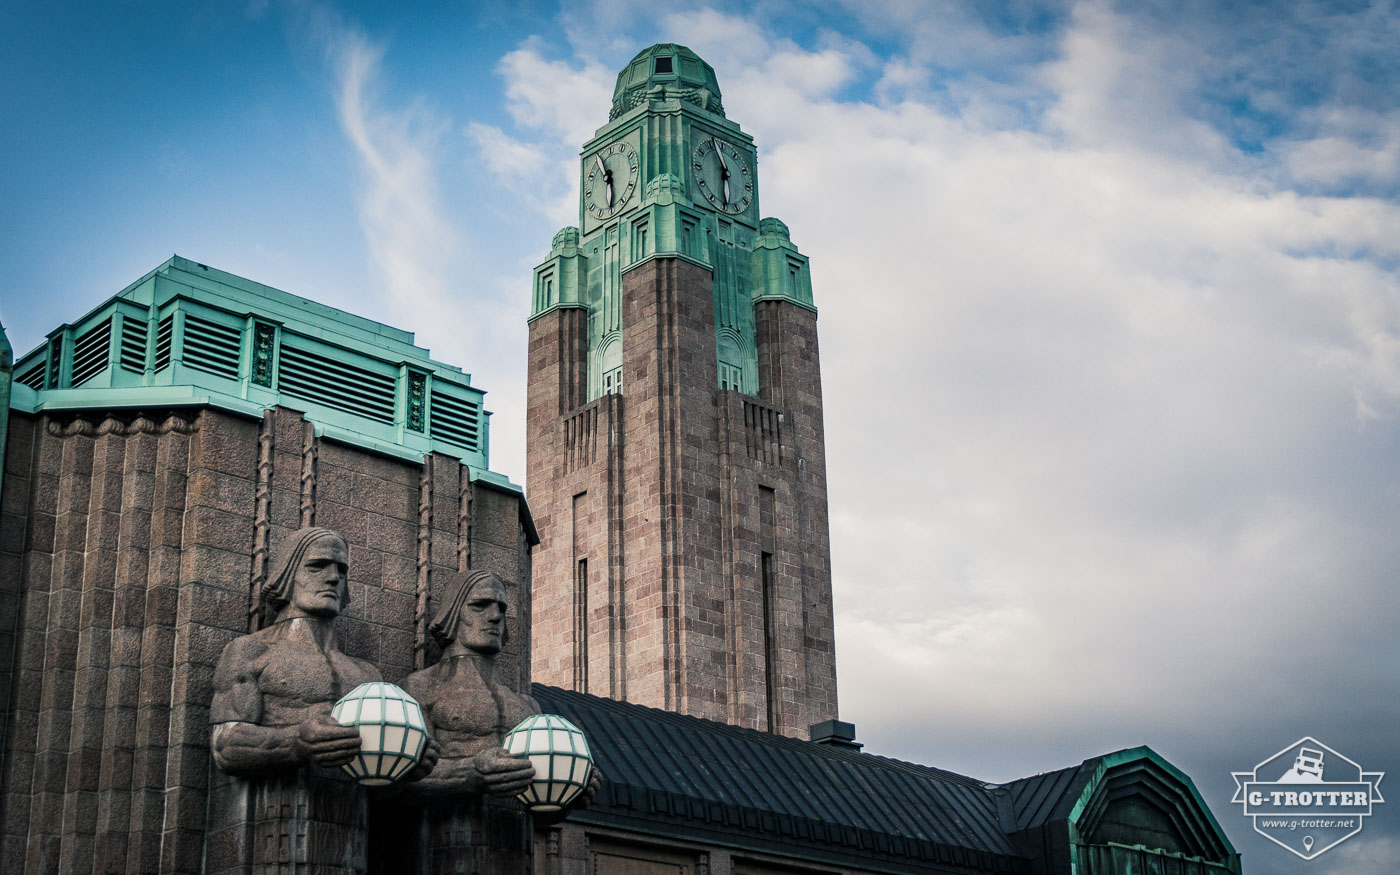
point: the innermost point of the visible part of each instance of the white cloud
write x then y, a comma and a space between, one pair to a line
1111, 410
554, 97
501, 153
413, 245
1337, 161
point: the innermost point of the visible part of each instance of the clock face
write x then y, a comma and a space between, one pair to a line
722, 175
610, 175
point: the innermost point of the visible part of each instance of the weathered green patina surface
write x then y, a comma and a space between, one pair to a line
669, 175
186, 334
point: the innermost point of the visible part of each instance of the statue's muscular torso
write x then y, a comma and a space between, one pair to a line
272, 678
466, 715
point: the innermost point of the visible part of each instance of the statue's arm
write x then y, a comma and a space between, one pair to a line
240, 745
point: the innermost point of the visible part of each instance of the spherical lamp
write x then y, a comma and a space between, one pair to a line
559, 753
392, 732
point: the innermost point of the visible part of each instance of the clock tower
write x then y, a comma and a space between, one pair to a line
675, 452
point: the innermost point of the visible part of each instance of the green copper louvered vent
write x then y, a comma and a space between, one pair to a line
164, 332
211, 347
336, 384
55, 362
417, 401
134, 333
90, 352
34, 377
454, 420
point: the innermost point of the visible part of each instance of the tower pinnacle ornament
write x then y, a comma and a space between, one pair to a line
675, 444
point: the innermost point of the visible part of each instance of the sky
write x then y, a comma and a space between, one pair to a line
1109, 302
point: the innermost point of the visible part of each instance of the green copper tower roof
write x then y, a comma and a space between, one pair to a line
670, 70
670, 175
188, 335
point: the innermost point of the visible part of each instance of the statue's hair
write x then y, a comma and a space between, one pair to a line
278, 589
444, 625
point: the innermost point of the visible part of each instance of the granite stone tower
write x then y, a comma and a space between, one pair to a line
676, 464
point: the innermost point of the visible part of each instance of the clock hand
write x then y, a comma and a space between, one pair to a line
723, 171
607, 178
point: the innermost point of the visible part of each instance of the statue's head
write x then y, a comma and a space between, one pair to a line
309, 578
473, 613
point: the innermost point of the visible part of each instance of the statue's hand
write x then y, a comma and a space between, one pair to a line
431, 751
590, 790
501, 773
322, 741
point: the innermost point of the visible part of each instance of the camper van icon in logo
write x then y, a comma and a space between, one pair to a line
1307, 797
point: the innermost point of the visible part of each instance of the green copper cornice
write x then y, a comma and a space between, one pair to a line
188, 335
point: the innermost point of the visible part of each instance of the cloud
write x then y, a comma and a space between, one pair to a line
539, 177
554, 97
408, 235
1112, 394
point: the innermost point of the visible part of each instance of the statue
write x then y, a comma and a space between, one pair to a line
472, 824
271, 722
467, 709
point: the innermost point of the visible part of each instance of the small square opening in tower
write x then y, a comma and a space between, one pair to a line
663, 64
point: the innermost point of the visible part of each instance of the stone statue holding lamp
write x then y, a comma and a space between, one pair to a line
271, 717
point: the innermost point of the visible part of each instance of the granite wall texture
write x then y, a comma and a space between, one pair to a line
684, 560
131, 550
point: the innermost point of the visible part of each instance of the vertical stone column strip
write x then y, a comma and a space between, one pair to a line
17, 457
617, 558
308, 475
158, 647
668, 376
210, 612
734, 712
425, 564
464, 519
61, 645
115, 791
91, 666
21, 738
551, 852
262, 519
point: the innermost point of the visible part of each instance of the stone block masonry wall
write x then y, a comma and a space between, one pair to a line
671, 515
659, 578
790, 378
130, 551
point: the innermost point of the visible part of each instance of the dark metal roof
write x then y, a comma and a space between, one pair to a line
1034, 800
681, 776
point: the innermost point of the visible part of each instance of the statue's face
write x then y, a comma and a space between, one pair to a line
482, 622
318, 589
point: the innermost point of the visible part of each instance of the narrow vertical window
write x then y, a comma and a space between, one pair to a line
770, 643
581, 625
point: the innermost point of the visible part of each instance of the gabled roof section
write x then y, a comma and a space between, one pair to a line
1081, 802
188, 335
687, 777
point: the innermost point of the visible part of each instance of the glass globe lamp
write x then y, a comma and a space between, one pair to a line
392, 732
560, 755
